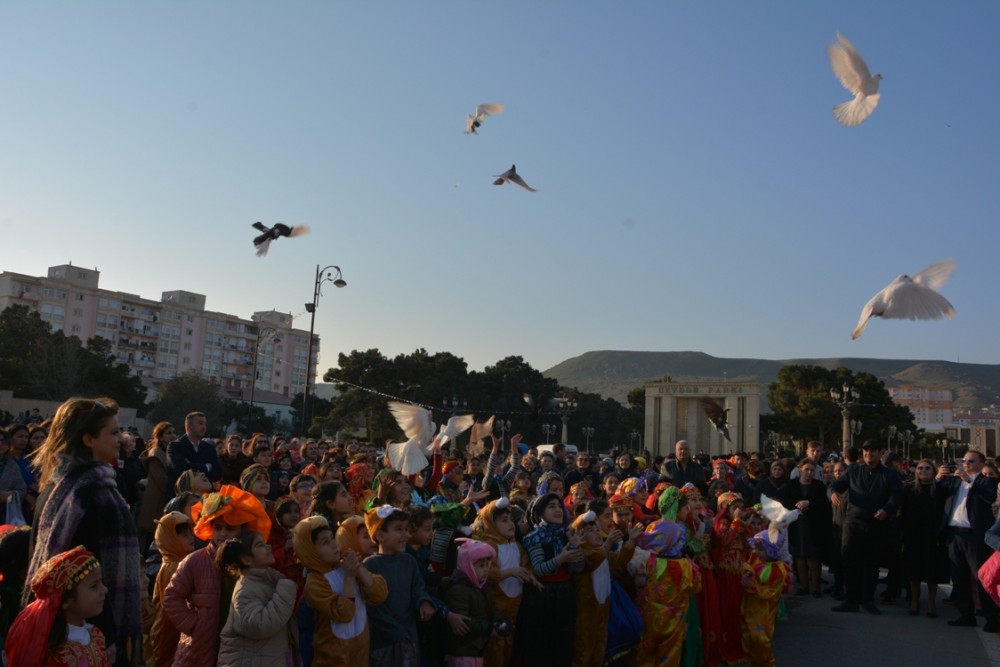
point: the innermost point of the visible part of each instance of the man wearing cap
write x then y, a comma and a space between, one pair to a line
874, 492
971, 516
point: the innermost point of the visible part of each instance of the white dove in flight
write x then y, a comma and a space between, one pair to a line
408, 457
853, 73
511, 175
911, 298
472, 123
778, 515
455, 427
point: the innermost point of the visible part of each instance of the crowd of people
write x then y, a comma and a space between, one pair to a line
192, 551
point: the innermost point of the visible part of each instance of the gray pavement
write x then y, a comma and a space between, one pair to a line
816, 636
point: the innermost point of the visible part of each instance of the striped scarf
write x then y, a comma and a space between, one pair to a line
78, 489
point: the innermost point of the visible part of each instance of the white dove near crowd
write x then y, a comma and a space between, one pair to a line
473, 122
853, 73
778, 515
911, 298
417, 423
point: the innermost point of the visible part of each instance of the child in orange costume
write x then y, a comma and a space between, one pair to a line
593, 589
730, 533
673, 579
52, 630
174, 539
337, 589
765, 577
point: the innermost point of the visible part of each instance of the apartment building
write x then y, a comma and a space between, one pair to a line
160, 339
931, 406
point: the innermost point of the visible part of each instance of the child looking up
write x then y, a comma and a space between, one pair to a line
53, 630
338, 589
256, 480
197, 598
394, 621
260, 627
286, 513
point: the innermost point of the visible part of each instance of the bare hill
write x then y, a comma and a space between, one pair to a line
614, 373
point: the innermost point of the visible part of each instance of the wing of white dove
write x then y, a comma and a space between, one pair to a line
492, 109
513, 177
906, 300
457, 425
414, 420
849, 67
935, 275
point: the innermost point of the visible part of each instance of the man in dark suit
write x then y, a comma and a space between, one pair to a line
684, 470
875, 493
190, 452
971, 516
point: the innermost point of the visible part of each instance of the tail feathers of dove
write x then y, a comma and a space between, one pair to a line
911, 298
407, 457
779, 516
853, 73
473, 122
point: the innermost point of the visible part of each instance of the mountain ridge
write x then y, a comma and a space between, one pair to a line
613, 373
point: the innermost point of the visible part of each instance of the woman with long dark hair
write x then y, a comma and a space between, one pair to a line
80, 505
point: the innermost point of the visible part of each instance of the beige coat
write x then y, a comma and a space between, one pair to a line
260, 622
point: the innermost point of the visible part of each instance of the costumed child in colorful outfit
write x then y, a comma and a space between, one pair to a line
465, 593
509, 572
174, 539
593, 589
730, 533
198, 596
699, 536
673, 579
260, 629
765, 577
52, 631
338, 588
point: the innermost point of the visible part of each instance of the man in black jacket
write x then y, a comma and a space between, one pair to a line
875, 493
190, 452
684, 470
971, 516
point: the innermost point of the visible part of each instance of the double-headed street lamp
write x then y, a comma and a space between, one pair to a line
324, 275
263, 333
588, 433
845, 400
632, 437
548, 430
502, 425
565, 408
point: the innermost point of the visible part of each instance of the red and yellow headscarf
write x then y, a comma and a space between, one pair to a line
236, 507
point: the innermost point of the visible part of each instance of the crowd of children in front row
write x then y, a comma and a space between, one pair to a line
557, 581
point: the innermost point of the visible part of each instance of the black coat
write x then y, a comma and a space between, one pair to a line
979, 504
809, 535
922, 520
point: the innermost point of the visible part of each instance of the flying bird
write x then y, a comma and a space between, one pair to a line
853, 73
779, 517
408, 457
511, 175
907, 298
539, 404
717, 415
472, 123
271, 233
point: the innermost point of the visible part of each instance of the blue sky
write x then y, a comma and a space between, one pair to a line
694, 190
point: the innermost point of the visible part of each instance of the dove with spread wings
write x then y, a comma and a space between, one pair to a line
778, 515
853, 73
717, 415
409, 457
911, 298
269, 234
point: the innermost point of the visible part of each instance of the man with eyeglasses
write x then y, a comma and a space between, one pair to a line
875, 493
971, 516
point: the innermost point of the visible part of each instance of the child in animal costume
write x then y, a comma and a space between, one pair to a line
672, 580
198, 596
174, 539
338, 589
593, 590
509, 572
52, 630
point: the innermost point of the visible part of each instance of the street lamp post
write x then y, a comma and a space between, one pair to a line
588, 433
503, 426
566, 407
632, 438
906, 438
323, 275
455, 403
262, 334
890, 432
845, 400
548, 430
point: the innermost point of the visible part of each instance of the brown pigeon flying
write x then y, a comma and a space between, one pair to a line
271, 233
